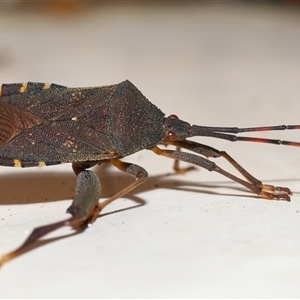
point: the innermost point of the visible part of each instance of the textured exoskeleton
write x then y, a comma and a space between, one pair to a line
47, 124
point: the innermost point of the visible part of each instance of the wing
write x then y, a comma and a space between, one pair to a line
52, 124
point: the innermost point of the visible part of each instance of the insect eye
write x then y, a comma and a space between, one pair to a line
171, 135
174, 117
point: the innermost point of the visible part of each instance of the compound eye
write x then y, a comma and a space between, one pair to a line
171, 135
174, 117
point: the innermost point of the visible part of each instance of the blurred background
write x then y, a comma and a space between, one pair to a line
219, 63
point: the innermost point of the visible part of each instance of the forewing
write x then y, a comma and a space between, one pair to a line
54, 126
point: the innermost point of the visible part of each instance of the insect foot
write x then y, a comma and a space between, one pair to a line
271, 192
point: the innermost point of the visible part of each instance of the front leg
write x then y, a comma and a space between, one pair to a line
266, 191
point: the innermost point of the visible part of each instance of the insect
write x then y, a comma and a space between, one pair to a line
48, 124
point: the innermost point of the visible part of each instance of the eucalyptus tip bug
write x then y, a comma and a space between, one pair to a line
47, 124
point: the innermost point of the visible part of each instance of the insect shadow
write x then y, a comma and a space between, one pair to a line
113, 181
52, 186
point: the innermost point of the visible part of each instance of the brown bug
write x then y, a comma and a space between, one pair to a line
48, 124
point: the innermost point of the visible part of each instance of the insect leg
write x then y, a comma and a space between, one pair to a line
86, 198
265, 191
177, 168
136, 171
212, 152
84, 210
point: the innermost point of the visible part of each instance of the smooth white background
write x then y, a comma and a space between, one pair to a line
197, 235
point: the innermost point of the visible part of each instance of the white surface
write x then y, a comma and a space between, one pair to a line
198, 235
